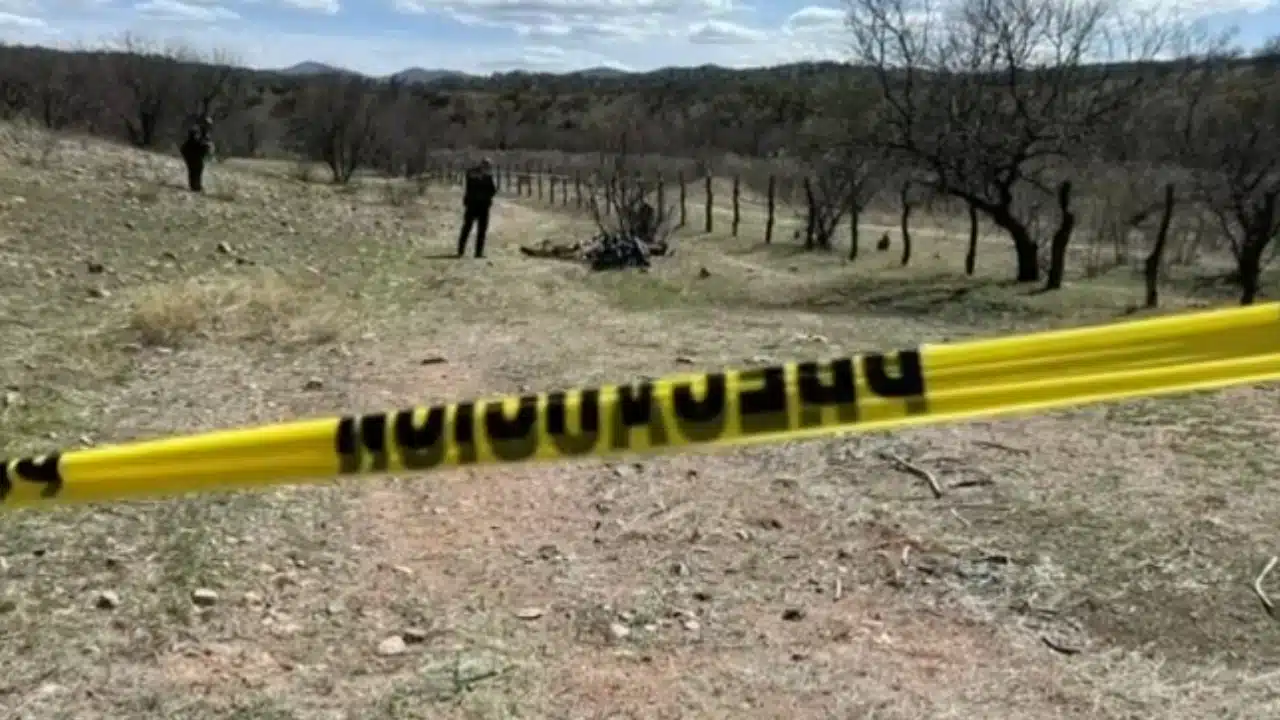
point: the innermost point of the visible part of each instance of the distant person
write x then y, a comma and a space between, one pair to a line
476, 201
196, 150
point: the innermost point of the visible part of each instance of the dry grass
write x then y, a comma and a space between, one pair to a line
813, 580
263, 306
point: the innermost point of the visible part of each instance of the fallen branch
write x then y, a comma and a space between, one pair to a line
979, 482
1267, 605
914, 469
1058, 647
1002, 446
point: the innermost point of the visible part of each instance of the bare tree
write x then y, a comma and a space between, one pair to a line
995, 94
1237, 168
148, 82
1158, 138
336, 124
217, 83
622, 209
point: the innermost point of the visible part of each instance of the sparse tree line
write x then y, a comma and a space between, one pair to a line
1046, 119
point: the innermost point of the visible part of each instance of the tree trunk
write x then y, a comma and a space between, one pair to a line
1156, 257
854, 213
811, 218
1258, 233
1250, 264
1061, 238
971, 257
906, 223
1024, 247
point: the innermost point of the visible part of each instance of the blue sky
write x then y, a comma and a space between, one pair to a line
383, 36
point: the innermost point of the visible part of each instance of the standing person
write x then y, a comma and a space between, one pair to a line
476, 201
196, 149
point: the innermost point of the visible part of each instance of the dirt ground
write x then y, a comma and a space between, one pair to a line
1093, 563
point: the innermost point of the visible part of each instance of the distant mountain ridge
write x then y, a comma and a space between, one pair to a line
427, 76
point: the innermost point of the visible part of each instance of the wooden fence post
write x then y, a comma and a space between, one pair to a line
735, 205
577, 187
662, 197
541, 171
768, 223
552, 197
710, 203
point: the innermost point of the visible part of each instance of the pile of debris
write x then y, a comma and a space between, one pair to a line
617, 251
606, 251
631, 231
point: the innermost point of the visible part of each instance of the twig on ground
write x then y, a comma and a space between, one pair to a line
1002, 446
979, 482
1267, 605
960, 517
1058, 647
839, 591
914, 469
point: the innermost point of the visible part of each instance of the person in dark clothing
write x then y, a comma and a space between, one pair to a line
196, 149
476, 201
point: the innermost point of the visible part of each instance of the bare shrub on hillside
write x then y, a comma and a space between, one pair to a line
336, 125
147, 83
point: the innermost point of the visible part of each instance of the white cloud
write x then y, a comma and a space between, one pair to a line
20, 21
186, 11
815, 18
723, 32
328, 7
589, 19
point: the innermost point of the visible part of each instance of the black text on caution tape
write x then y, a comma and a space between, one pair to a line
770, 400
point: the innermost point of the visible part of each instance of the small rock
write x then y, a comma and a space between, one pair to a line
224, 248
107, 600
793, 614
529, 613
704, 273
97, 292
204, 597
96, 268
7, 605
433, 360
313, 384
252, 598
618, 631
10, 399
402, 570
684, 360
679, 569
392, 646
414, 635
690, 624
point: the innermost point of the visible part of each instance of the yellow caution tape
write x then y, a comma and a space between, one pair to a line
922, 385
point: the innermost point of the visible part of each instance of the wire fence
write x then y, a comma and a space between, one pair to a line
686, 197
